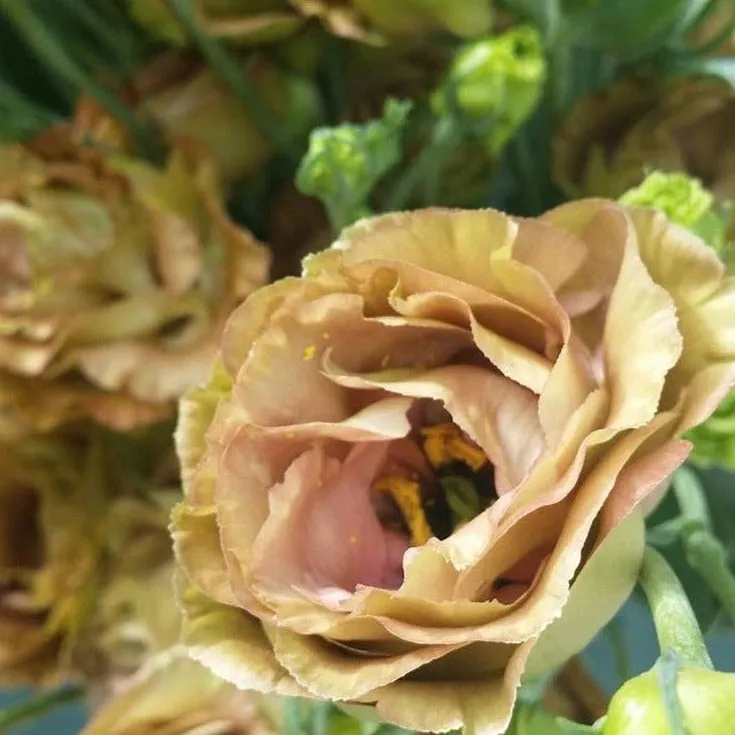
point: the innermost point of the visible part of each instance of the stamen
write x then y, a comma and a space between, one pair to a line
444, 443
407, 496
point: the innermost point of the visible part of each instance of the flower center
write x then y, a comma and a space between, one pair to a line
458, 488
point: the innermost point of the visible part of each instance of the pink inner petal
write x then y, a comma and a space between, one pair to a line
345, 545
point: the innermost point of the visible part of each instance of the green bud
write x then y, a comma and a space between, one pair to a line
344, 163
706, 699
683, 200
494, 85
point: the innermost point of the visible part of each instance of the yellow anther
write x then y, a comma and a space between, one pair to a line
444, 443
309, 352
407, 496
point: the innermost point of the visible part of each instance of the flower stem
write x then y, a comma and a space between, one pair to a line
708, 557
705, 553
38, 706
676, 625
230, 73
426, 167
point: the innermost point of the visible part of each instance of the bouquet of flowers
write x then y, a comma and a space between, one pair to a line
367, 367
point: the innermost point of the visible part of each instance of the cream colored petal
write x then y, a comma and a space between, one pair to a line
610, 574
694, 276
482, 707
196, 412
455, 243
603, 227
249, 319
570, 381
148, 371
509, 337
232, 644
329, 671
168, 689
704, 394
498, 414
641, 343
554, 252
282, 378
198, 550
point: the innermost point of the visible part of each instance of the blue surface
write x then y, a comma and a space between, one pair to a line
68, 720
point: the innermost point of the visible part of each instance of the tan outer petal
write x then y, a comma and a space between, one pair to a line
232, 644
641, 342
178, 694
498, 414
147, 371
553, 252
283, 374
328, 671
693, 275
464, 242
616, 559
482, 707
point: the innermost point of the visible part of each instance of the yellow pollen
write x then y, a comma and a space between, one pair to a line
290, 435
309, 352
444, 443
325, 335
353, 539
407, 496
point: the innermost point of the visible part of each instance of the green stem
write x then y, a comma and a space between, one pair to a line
115, 38
676, 625
53, 53
231, 74
718, 39
704, 552
708, 557
427, 165
559, 71
690, 497
38, 706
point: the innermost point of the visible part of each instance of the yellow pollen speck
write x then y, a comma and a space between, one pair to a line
289, 435
309, 352
407, 496
325, 335
444, 443
353, 539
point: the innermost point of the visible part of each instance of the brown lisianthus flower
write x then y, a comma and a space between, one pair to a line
48, 556
249, 22
421, 469
610, 139
183, 98
174, 695
115, 279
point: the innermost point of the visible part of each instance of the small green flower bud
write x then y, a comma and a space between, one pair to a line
494, 85
344, 163
706, 699
683, 200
